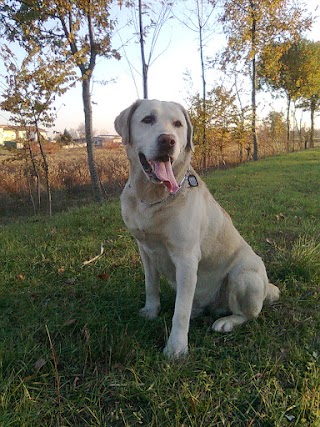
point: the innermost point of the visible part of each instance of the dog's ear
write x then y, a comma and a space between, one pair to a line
122, 122
189, 128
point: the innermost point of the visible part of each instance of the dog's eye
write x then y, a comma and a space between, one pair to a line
177, 124
149, 120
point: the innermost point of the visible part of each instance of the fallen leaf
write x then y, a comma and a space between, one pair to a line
290, 417
269, 241
71, 281
118, 367
34, 297
280, 216
39, 364
104, 276
20, 277
70, 322
75, 382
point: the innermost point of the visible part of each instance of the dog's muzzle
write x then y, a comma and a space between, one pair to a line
159, 168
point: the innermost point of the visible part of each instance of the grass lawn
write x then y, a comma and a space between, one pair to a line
74, 352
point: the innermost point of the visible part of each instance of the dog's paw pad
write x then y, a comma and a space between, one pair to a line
149, 312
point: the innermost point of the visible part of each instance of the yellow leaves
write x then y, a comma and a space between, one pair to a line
250, 25
80, 58
292, 67
32, 86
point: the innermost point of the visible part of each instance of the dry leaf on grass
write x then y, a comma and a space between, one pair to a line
104, 276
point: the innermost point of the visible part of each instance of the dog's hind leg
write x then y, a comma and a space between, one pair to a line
245, 295
273, 294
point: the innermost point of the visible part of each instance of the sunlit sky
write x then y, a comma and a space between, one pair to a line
176, 53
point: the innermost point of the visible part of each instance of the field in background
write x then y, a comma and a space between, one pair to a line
70, 180
69, 177
74, 352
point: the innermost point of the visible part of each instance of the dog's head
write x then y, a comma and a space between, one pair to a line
157, 132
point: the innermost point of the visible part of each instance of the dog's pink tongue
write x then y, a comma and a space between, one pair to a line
164, 172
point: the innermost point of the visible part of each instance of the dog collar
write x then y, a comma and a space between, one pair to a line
192, 180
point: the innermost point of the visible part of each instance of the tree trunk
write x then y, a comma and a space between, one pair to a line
288, 122
143, 58
204, 101
35, 173
45, 167
312, 111
89, 138
253, 84
254, 111
240, 145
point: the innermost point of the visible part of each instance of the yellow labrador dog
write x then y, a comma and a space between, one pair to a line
182, 232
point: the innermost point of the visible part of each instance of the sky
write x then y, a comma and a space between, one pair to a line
176, 53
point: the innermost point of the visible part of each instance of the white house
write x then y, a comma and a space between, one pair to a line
14, 136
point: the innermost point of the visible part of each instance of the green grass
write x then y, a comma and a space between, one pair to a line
74, 352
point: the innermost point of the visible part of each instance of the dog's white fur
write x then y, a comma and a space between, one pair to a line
186, 236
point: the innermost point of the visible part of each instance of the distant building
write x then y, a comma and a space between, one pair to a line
102, 140
13, 136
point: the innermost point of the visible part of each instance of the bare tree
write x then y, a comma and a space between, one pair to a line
148, 19
198, 18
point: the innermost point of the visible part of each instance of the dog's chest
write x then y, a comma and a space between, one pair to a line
151, 232
143, 225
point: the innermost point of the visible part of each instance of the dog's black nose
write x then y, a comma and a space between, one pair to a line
166, 141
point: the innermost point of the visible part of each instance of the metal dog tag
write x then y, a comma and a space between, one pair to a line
193, 182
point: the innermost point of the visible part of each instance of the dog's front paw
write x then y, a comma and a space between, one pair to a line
149, 312
175, 350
